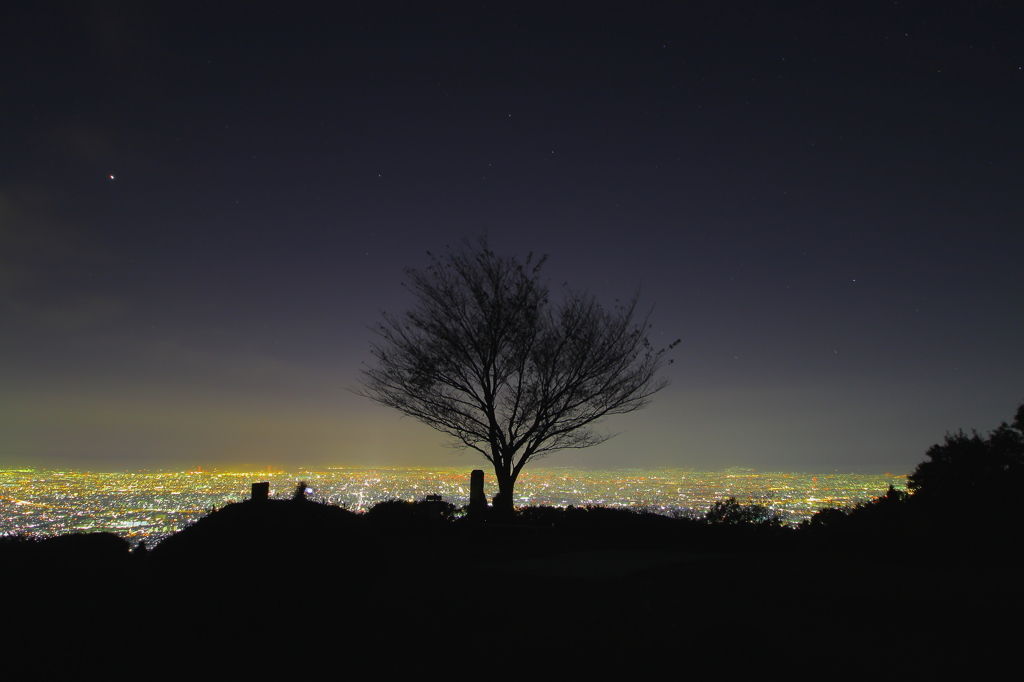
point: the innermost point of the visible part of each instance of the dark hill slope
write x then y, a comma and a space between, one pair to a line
267, 539
259, 584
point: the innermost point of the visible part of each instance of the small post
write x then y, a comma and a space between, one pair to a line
260, 491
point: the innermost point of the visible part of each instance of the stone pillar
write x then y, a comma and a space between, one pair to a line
477, 499
260, 491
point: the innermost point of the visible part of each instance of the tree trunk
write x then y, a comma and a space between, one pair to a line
502, 505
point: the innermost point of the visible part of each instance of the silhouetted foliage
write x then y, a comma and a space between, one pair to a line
731, 512
602, 526
541, 515
965, 495
72, 559
300, 492
95, 548
827, 518
970, 469
406, 515
882, 519
486, 358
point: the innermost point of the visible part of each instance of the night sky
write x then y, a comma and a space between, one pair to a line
203, 211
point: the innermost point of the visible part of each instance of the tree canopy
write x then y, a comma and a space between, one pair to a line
972, 467
485, 357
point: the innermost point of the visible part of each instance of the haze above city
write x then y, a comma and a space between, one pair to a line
204, 210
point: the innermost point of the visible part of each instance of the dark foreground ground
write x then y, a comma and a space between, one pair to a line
301, 588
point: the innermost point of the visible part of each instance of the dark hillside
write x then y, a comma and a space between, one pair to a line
258, 583
272, 533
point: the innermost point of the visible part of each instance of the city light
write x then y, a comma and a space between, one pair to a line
150, 505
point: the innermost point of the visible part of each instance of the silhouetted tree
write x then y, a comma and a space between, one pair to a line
827, 517
486, 358
879, 520
731, 512
973, 468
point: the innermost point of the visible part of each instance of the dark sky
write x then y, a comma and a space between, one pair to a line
202, 210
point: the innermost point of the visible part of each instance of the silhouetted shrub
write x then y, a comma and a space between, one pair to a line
972, 469
300, 492
541, 516
731, 512
615, 526
72, 558
880, 520
968, 491
827, 518
405, 514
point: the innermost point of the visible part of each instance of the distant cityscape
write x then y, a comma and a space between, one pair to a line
150, 505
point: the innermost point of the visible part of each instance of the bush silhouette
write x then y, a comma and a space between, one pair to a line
973, 468
407, 515
731, 512
72, 554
